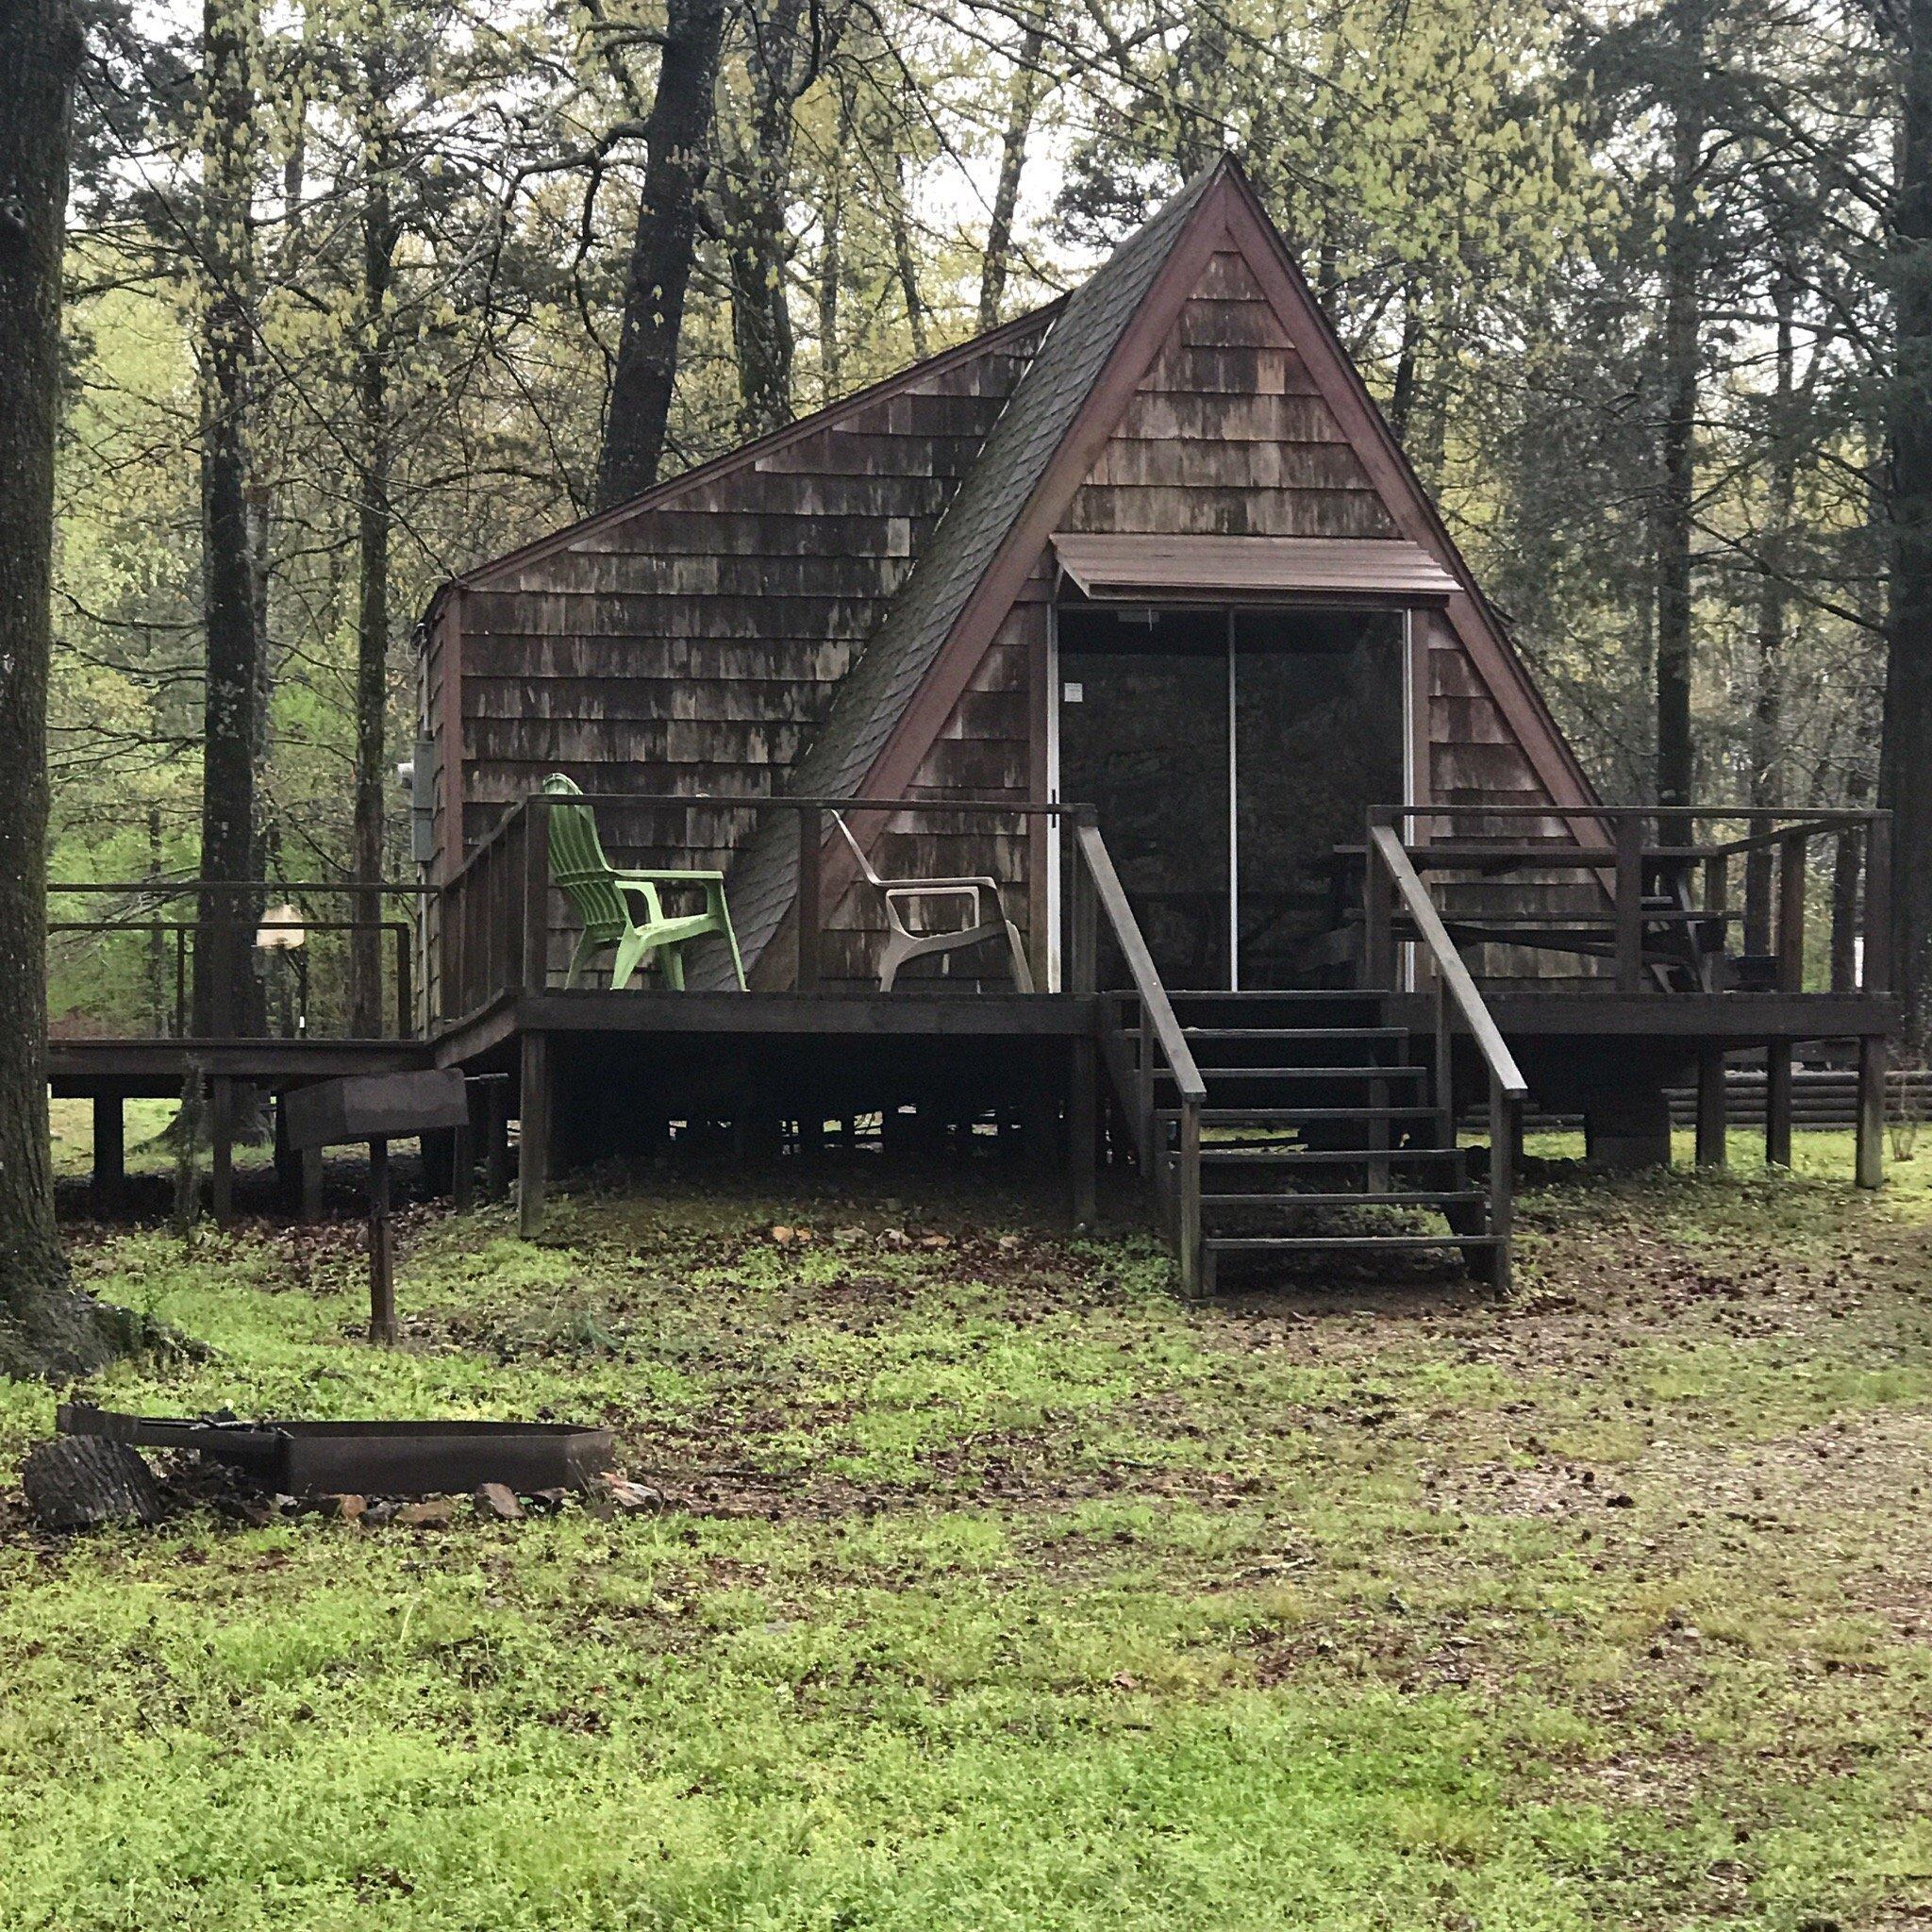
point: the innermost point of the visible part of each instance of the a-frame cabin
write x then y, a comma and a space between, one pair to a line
1152, 551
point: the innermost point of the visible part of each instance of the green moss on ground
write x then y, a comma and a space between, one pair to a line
996, 1589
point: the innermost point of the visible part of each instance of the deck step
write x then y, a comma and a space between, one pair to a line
1345, 1243
1259, 1116
1305, 995
1311, 1033
1305, 1072
1443, 1197
1324, 1157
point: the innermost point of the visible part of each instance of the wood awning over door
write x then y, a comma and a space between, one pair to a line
1247, 570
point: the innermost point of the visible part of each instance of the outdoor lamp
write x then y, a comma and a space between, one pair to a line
281, 930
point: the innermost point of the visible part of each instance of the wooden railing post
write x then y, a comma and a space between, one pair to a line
536, 894
807, 916
1188, 1193
1504, 1113
1143, 1091
1791, 913
1717, 893
406, 995
1877, 972
1629, 908
1379, 923
1445, 1062
1790, 978
1083, 934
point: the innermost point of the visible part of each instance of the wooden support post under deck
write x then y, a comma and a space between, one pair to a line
288, 1161
496, 1137
382, 1286
463, 1187
1777, 1103
222, 1148
1871, 1131
110, 1152
1713, 1125
1082, 1128
533, 1138
311, 1183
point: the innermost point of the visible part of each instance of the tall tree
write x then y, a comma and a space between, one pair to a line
1023, 101
381, 233
232, 724
786, 43
1904, 786
45, 1327
1764, 740
677, 140
1680, 372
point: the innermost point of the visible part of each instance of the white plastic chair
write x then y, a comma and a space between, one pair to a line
903, 943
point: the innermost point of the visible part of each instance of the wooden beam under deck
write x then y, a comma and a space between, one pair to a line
858, 1013
154, 1069
1735, 1018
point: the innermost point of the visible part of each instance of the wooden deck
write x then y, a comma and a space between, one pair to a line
1304, 1096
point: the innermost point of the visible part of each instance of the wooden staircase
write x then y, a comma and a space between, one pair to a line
1295, 1122
1321, 1135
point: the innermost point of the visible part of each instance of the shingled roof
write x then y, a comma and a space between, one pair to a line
873, 696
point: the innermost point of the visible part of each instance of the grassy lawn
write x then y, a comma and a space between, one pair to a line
994, 1589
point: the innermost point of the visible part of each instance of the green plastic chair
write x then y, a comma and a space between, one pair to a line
600, 895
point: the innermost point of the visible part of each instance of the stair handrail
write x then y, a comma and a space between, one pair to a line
1509, 1091
1456, 982
1161, 1026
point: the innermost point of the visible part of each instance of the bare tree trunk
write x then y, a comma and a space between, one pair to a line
907, 266
1905, 784
158, 1007
1677, 497
45, 1328
1847, 864
379, 239
1402, 398
782, 65
232, 729
1028, 86
1767, 704
678, 135
832, 265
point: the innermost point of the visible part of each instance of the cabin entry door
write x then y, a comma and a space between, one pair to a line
1228, 753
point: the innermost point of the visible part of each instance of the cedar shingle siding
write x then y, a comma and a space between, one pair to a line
785, 618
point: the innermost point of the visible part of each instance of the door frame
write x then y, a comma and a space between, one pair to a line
1414, 750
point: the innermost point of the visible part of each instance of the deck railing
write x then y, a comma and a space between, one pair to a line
496, 914
1392, 873
495, 921
1664, 906
1174, 1173
171, 981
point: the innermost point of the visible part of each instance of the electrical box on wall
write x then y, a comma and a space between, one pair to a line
416, 779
